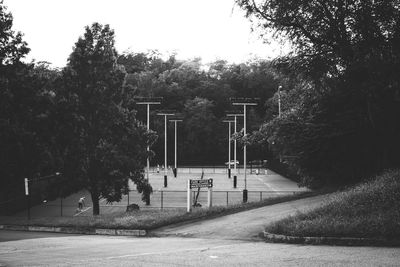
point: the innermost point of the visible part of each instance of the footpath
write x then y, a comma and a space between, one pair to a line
246, 225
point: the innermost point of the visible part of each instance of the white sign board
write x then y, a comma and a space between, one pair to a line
201, 183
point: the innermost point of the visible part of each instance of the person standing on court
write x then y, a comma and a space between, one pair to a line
81, 203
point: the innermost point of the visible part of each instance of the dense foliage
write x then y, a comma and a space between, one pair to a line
25, 102
200, 94
341, 118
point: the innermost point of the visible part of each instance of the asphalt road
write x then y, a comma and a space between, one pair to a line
44, 249
225, 241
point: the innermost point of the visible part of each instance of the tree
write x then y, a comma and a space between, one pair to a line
12, 47
103, 143
349, 52
25, 105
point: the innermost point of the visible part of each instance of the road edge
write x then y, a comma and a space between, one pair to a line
75, 230
323, 240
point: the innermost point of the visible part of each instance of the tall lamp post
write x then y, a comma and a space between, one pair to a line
279, 112
148, 101
244, 102
175, 121
234, 114
279, 100
165, 114
229, 145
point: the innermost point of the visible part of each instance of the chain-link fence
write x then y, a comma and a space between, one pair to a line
162, 199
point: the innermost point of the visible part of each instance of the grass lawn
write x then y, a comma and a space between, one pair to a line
368, 210
146, 219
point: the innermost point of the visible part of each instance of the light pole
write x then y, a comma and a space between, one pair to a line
279, 112
165, 114
175, 121
244, 102
234, 114
148, 101
229, 146
279, 100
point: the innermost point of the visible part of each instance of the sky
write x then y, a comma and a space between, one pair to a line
210, 29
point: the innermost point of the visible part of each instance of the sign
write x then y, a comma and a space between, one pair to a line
26, 187
201, 183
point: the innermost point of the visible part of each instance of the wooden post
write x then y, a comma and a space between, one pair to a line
189, 197
162, 199
209, 197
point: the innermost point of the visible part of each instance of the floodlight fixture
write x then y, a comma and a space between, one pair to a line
148, 100
248, 101
166, 112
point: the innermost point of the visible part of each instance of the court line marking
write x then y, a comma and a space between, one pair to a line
268, 185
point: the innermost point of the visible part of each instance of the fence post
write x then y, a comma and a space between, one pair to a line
209, 197
29, 206
227, 198
162, 199
128, 196
260, 195
189, 197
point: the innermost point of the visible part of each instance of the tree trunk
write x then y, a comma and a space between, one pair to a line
95, 201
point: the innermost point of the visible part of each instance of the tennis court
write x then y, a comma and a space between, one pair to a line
263, 185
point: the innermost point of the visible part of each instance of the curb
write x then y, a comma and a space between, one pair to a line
73, 230
340, 241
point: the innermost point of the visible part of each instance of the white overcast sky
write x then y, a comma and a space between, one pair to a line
210, 29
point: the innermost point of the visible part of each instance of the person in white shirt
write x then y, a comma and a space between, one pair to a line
81, 203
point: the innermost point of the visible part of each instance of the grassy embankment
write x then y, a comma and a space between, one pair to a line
368, 210
147, 219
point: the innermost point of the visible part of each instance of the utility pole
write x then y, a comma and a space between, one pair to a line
165, 114
148, 101
175, 121
229, 146
279, 100
244, 102
235, 114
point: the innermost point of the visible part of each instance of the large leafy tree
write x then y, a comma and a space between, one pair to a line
102, 143
26, 101
12, 47
349, 51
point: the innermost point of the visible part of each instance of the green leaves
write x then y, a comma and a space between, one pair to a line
111, 143
12, 47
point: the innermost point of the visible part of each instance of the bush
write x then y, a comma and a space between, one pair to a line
371, 209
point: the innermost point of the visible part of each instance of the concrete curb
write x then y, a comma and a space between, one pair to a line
73, 230
341, 241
